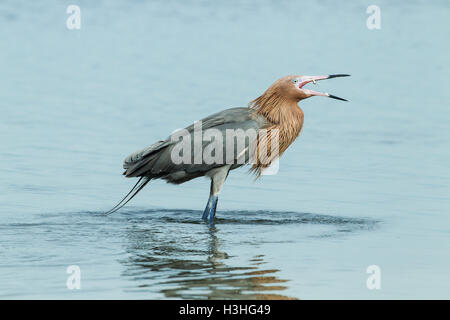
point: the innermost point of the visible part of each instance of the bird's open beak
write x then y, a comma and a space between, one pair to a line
308, 79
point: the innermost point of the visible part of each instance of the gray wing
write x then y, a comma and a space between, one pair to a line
156, 162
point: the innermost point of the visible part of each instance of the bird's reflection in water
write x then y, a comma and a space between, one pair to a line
167, 263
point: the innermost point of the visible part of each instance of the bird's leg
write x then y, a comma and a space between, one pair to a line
218, 177
207, 209
211, 206
212, 213
210, 209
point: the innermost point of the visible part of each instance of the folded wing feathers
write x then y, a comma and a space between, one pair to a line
142, 160
137, 156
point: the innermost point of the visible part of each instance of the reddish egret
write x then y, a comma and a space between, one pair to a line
276, 111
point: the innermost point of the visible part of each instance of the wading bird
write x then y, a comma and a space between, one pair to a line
276, 111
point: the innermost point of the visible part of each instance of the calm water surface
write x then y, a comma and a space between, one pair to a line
366, 184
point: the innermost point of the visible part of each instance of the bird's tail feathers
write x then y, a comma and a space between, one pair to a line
142, 182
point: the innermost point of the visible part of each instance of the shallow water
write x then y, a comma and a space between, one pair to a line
367, 183
168, 253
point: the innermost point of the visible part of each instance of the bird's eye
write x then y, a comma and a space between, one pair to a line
294, 81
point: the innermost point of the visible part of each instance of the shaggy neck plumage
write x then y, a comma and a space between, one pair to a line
279, 110
283, 114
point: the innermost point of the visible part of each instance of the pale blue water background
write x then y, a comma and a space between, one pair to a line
367, 182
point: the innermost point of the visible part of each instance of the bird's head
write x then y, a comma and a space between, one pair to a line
293, 87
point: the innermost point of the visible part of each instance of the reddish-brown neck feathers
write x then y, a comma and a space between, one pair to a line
279, 105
